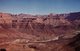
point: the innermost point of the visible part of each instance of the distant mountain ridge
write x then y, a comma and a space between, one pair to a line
27, 21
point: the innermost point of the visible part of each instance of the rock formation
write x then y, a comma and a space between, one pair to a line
25, 32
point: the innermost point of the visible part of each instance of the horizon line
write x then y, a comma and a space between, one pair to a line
38, 13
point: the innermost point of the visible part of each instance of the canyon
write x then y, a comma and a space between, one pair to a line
52, 32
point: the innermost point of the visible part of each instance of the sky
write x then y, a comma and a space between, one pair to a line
39, 6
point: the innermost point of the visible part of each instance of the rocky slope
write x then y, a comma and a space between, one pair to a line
25, 32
